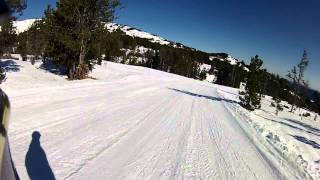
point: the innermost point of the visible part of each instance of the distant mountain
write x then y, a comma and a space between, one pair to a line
133, 32
24, 25
223, 57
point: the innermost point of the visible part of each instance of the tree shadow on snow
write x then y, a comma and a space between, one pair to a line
310, 128
9, 65
307, 141
36, 162
203, 96
289, 125
54, 68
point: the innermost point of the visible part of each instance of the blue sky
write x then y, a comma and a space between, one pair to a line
277, 30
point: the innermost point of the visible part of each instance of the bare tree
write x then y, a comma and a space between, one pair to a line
297, 77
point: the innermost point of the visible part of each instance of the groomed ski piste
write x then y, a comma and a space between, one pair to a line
128, 122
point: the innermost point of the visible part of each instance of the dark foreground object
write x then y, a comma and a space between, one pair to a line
37, 164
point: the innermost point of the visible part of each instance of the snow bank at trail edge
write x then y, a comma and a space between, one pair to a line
296, 140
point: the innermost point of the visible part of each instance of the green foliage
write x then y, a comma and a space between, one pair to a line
75, 30
33, 41
7, 36
250, 99
227, 74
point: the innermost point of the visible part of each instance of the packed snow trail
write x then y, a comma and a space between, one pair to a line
141, 124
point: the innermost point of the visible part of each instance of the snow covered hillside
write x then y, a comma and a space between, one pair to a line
229, 59
293, 138
24, 25
136, 123
137, 33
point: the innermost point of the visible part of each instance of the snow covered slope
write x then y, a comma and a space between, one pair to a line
137, 33
292, 138
130, 123
24, 25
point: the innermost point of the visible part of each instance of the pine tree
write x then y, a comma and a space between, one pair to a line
297, 77
8, 32
33, 40
156, 60
7, 36
75, 28
251, 98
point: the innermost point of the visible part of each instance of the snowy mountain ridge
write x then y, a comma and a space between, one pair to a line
133, 32
24, 25
223, 57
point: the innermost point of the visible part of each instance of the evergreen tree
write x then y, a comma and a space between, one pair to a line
297, 77
33, 40
250, 99
7, 36
8, 32
75, 28
156, 60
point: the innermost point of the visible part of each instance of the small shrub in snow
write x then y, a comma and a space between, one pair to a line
306, 114
32, 60
203, 75
277, 105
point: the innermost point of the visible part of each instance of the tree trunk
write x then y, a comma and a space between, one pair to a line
82, 52
292, 107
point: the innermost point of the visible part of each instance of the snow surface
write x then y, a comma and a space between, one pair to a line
131, 123
205, 67
24, 25
137, 33
294, 139
211, 78
230, 59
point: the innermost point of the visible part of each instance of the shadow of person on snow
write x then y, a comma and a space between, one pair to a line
36, 162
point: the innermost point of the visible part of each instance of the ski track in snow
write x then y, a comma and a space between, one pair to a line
148, 125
